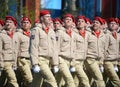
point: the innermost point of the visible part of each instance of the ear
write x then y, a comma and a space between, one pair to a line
41, 18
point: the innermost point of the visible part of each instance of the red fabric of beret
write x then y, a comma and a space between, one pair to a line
44, 12
11, 18
71, 16
99, 19
2, 22
26, 19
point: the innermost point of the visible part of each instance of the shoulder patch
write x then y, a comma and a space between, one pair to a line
32, 37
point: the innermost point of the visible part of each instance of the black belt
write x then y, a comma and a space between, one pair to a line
111, 60
24, 58
9, 60
80, 59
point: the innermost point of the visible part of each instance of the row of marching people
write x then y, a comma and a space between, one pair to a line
60, 53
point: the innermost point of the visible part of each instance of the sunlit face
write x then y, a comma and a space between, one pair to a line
46, 19
9, 24
81, 23
68, 21
96, 25
113, 25
26, 25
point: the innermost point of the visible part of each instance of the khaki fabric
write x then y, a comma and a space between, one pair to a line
111, 74
43, 52
66, 48
42, 44
93, 68
45, 73
96, 46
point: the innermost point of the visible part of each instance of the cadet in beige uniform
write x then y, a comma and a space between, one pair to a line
24, 64
81, 50
43, 51
7, 51
112, 53
58, 27
95, 52
66, 47
2, 23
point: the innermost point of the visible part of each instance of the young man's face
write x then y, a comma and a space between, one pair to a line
81, 23
113, 25
96, 25
26, 25
10, 24
57, 24
68, 21
46, 19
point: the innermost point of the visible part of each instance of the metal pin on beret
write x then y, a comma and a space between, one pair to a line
11, 18
26, 19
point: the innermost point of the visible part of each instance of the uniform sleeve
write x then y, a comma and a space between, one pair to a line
1, 57
34, 45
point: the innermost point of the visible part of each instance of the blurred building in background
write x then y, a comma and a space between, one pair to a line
89, 8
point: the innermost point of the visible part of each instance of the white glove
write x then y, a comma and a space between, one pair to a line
101, 68
55, 69
116, 68
72, 69
36, 69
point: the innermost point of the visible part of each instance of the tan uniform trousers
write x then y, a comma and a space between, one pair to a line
46, 73
92, 67
24, 65
64, 66
10, 74
80, 73
111, 73
119, 68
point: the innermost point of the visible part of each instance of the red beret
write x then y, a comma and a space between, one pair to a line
81, 17
2, 22
57, 19
104, 21
88, 20
114, 19
71, 16
26, 19
37, 21
11, 18
44, 12
99, 19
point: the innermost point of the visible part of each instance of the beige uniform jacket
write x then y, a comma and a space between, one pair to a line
43, 44
96, 46
112, 47
81, 45
6, 48
66, 44
23, 44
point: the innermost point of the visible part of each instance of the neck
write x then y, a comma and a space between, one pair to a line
26, 30
96, 30
82, 29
